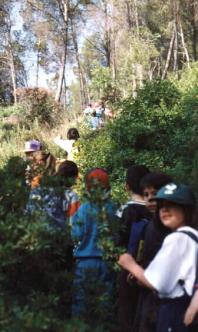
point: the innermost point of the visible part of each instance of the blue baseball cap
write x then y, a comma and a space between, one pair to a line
177, 193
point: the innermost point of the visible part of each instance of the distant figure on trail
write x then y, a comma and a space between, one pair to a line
100, 112
88, 110
69, 144
94, 121
109, 114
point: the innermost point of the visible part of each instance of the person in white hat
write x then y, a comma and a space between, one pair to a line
31, 147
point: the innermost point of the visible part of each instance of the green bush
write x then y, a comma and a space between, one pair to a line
39, 103
157, 129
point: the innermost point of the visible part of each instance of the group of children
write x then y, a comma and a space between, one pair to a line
164, 276
96, 113
158, 232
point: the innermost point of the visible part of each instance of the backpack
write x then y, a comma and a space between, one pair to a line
195, 238
136, 239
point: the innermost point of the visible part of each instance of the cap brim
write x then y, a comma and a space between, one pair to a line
29, 150
176, 201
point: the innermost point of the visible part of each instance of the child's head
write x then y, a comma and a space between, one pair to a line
134, 175
150, 184
45, 160
68, 171
73, 134
176, 206
31, 147
97, 178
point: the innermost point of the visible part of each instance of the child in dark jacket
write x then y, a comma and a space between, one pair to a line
134, 212
92, 280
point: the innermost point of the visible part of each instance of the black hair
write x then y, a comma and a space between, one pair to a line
68, 170
133, 177
155, 180
73, 134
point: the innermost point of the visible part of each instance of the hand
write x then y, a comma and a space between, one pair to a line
130, 277
126, 261
190, 315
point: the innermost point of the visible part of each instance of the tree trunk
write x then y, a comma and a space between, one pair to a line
175, 50
107, 40
83, 93
63, 4
61, 75
136, 16
13, 76
37, 68
139, 71
134, 84
169, 55
184, 46
129, 16
193, 22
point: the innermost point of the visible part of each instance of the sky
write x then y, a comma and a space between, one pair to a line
30, 59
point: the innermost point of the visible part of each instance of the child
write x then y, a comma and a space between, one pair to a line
134, 211
69, 144
55, 197
92, 279
31, 147
68, 173
43, 163
172, 271
150, 185
147, 306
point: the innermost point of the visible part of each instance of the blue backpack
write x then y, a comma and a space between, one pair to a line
136, 239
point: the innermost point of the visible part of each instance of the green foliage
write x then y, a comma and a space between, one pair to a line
102, 85
157, 129
39, 103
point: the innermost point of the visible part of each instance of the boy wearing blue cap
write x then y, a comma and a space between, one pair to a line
172, 272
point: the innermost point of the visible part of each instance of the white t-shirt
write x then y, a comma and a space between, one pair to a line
66, 145
176, 260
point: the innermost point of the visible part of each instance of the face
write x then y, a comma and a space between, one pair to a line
29, 155
171, 215
38, 160
148, 193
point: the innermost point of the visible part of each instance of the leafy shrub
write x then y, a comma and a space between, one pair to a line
39, 103
157, 129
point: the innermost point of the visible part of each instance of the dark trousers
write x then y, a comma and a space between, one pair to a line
171, 315
127, 303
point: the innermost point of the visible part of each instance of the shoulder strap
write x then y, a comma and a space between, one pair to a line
191, 235
194, 238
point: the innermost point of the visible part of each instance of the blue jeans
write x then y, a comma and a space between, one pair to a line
93, 284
